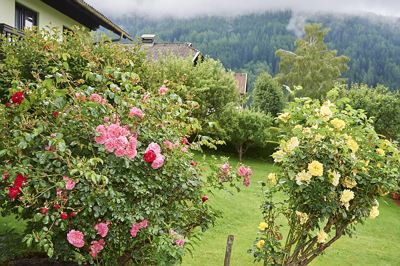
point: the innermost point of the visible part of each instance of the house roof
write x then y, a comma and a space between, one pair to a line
87, 15
184, 50
241, 82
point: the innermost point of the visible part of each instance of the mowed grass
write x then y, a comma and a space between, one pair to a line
377, 242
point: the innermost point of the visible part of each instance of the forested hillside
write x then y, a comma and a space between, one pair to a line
249, 42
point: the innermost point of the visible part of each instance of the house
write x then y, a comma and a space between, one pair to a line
156, 50
16, 15
241, 82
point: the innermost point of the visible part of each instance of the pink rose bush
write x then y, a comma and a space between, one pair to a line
116, 174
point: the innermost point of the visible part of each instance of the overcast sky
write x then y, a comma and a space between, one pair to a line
189, 8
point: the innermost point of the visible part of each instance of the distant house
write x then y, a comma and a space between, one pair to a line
156, 50
241, 82
16, 15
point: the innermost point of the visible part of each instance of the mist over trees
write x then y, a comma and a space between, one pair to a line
248, 43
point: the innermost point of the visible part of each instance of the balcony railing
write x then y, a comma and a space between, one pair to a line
10, 32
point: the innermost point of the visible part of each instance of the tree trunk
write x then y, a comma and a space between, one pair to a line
240, 150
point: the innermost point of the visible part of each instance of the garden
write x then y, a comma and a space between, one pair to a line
109, 159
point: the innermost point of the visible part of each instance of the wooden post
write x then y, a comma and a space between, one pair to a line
228, 252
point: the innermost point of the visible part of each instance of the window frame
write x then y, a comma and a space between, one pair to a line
22, 13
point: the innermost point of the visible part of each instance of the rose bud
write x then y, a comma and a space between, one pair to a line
56, 206
64, 216
204, 198
44, 210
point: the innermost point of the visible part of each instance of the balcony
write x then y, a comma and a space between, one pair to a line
10, 32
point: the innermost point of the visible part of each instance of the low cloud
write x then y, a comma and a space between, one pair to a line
191, 8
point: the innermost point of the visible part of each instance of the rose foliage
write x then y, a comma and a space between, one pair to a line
334, 168
97, 164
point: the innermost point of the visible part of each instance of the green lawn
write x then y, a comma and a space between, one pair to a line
377, 242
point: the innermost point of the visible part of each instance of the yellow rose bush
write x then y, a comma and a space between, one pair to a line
334, 168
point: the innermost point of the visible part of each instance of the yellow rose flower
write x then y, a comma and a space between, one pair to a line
346, 197
325, 112
334, 177
260, 244
374, 212
292, 144
284, 117
380, 152
352, 144
322, 236
339, 124
302, 177
272, 179
349, 183
300, 127
318, 137
316, 168
307, 131
262, 226
302, 216
279, 156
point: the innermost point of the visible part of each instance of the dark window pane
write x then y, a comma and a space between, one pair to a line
25, 17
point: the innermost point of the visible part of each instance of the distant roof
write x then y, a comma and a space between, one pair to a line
87, 15
183, 50
241, 82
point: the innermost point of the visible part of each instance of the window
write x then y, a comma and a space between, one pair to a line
25, 17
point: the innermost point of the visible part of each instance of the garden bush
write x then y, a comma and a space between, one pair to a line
97, 163
334, 168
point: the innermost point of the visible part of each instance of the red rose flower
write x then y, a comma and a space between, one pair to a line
55, 114
17, 97
64, 216
150, 156
204, 198
13, 192
44, 210
56, 206
193, 163
185, 141
72, 214
19, 180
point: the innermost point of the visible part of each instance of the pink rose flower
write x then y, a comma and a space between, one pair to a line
134, 230
80, 97
102, 229
136, 112
185, 141
158, 162
168, 144
96, 247
143, 224
131, 151
180, 242
225, 168
244, 171
75, 238
163, 90
69, 183
154, 147
97, 98
246, 181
